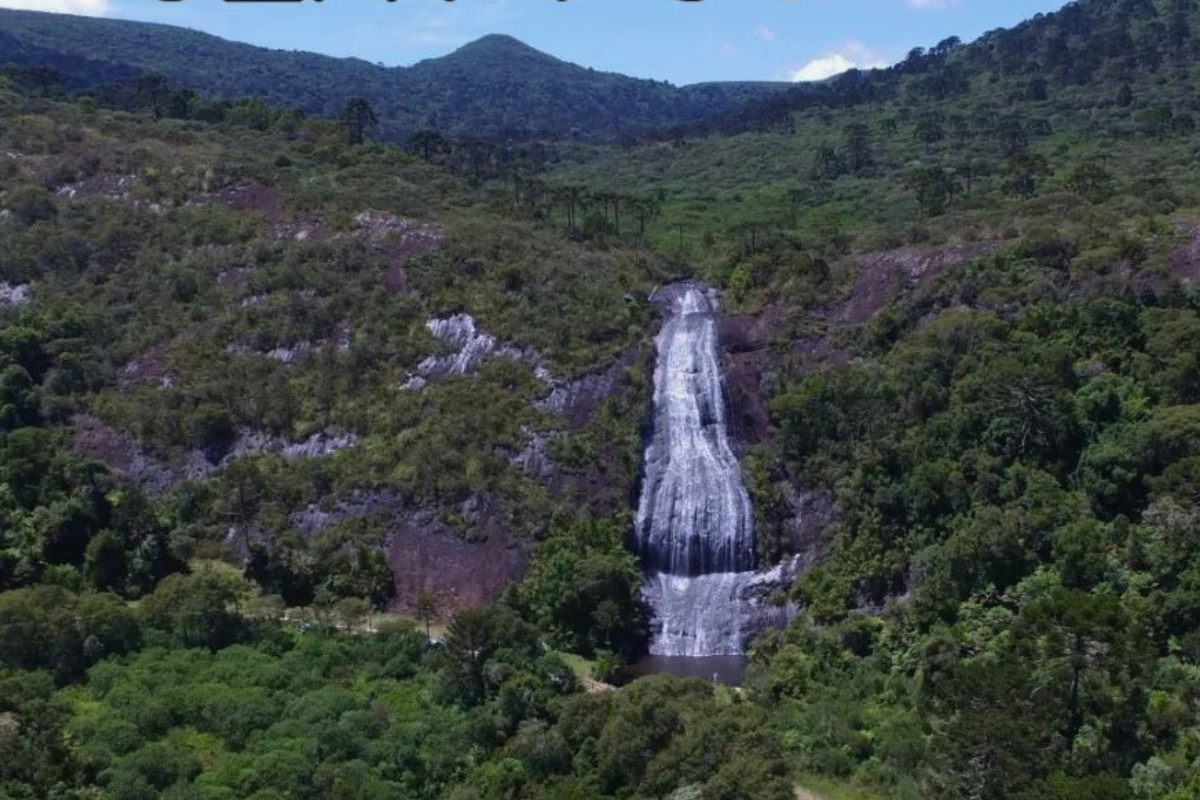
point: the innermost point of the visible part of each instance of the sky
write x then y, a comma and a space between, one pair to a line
673, 40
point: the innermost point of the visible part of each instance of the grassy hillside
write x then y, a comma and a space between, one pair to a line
495, 88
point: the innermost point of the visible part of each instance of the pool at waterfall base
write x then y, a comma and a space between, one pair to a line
725, 670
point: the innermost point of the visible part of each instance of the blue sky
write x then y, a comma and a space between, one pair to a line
683, 42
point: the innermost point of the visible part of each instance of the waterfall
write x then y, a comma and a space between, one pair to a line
695, 530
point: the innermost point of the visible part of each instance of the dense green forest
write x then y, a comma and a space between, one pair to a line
961, 291
496, 88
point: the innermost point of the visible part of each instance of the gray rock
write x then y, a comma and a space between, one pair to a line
14, 295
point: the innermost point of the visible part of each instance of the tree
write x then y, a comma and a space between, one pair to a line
827, 164
1036, 91
426, 608
199, 610
935, 188
41, 79
32, 204
1091, 181
1156, 120
428, 144
583, 588
931, 128
152, 92
1023, 173
1012, 134
106, 563
358, 116
858, 145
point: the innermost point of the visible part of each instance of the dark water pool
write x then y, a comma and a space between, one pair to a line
728, 670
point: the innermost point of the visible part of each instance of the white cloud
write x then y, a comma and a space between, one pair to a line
853, 55
92, 8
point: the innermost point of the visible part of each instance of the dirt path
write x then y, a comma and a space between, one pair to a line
805, 794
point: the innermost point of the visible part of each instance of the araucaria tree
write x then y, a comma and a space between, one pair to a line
358, 116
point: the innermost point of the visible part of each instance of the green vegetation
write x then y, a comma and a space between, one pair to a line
968, 283
172, 266
496, 88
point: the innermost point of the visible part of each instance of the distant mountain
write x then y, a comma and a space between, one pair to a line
496, 87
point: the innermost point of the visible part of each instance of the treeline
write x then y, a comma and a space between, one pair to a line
201, 693
1092, 42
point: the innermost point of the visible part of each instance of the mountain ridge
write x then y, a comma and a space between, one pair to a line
495, 87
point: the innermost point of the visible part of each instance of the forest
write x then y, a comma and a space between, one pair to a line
963, 290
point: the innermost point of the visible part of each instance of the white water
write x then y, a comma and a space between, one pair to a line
695, 529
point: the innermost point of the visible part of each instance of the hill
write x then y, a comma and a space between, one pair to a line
495, 88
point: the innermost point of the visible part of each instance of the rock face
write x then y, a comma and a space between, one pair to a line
426, 556
1185, 262
471, 348
695, 529
882, 276
123, 455
14, 295
578, 400
251, 442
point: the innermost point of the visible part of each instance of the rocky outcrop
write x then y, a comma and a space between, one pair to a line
93, 438
579, 399
357, 504
200, 465
96, 439
425, 555
883, 276
811, 513
108, 185
14, 295
1185, 261
469, 349
289, 354
292, 354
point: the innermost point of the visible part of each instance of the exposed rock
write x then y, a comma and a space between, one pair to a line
239, 538
249, 442
426, 556
254, 301
343, 336
396, 279
1185, 262
815, 353
398, 238
93, 438
749, 419
233, 276
534, 461
150, 367
14, 295
284, 355
766, 599
104, 184
884, 275
357, 504
470, 349
812, 514
124, 455
578, 400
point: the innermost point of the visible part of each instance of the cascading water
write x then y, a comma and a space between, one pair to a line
695, 529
